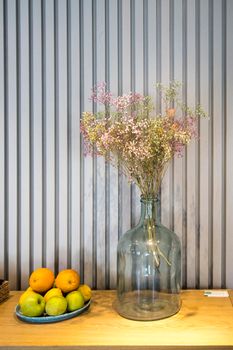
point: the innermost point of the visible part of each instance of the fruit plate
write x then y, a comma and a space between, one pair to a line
51, 319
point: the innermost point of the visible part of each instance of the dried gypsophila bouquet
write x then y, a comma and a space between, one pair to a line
129, 134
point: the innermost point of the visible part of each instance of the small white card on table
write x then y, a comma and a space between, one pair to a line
216, 293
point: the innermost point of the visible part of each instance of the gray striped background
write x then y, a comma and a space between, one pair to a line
59, 209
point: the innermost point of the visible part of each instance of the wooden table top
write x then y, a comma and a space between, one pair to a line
202, 323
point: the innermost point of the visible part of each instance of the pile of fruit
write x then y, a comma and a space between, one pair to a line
47, 295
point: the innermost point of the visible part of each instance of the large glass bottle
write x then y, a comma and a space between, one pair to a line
148, 268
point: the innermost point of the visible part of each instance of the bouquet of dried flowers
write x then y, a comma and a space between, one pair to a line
129, 134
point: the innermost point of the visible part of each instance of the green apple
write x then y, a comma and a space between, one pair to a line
33, 305
75, 300
56, 306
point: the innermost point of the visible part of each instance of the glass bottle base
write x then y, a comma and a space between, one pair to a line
141, 306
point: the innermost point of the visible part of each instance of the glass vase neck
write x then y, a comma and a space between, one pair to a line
150, 209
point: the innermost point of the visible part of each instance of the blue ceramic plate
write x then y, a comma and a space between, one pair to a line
51, 319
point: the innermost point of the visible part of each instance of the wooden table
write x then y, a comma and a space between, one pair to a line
202, 323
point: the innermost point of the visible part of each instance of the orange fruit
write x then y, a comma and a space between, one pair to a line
67, 280
41, 280
85, 290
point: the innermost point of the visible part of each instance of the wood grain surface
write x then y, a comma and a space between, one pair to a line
202, 323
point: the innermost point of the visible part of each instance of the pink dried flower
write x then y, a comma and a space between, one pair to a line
130, 135
191, 123
100, 95
123, 103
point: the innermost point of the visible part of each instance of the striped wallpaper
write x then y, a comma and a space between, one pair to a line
59, 209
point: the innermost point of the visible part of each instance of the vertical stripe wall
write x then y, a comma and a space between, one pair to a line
59, 209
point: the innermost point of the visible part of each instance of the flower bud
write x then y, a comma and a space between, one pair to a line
171, 112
